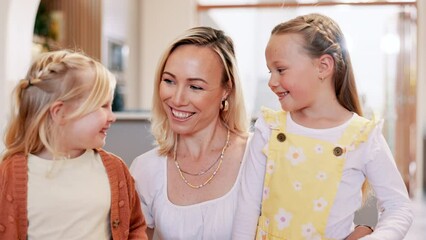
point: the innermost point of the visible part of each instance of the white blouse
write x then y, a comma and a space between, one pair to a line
211, 219
372, 160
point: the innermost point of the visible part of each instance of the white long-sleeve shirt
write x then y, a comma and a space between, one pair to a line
372, 160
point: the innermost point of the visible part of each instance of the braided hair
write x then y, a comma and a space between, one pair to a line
322, 35
54, 76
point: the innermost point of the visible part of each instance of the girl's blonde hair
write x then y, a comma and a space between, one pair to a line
54, 76
235, 118
322, 35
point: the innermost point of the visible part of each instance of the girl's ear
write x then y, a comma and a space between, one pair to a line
56, 111
325, 66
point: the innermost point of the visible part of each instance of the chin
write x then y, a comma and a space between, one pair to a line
183, 131
98, 145
288, 108
181, 128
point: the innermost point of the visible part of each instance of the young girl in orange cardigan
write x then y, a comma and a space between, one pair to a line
55, 180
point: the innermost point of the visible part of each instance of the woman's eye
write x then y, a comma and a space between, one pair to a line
196, 87
168, 81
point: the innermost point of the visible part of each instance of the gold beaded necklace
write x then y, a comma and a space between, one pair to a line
220, 159
202, 172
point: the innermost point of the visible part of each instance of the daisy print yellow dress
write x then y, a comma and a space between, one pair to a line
302, 178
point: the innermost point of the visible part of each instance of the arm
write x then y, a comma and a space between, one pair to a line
359, 231
137, 225
142, 171
393, 202
250, 197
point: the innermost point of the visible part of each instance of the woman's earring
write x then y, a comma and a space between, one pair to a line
224, 106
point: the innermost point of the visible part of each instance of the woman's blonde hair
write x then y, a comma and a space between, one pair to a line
54, 76
235, 118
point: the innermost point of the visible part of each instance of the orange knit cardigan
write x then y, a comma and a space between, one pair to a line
126, 218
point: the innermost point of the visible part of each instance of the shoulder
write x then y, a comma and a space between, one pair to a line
246, 148
369, 129
271, 113
268, 120
13, 171
9, 160
148, 164
149, 172
114, 166
150, 158
17, 161
271, 118
105, 153
110, 158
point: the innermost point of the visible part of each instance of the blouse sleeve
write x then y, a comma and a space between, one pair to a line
250, 197
395, 213
142, 172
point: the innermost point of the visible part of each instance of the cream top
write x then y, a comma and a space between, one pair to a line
68, 199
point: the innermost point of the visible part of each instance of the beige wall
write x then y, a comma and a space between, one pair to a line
3, 90
421, 89
17, 22
161, 21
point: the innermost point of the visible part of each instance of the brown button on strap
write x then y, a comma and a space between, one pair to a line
121, 203
115, 223
337, 151
281, 137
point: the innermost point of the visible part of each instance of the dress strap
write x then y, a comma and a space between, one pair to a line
275, 119
357, 132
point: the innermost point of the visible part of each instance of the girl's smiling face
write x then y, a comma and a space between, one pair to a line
88, 131
294, 74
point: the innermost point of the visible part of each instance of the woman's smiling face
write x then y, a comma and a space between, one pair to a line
191, 89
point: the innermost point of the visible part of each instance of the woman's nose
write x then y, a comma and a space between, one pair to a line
179, 96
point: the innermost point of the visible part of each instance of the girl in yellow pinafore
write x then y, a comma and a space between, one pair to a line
310, 171
306, 166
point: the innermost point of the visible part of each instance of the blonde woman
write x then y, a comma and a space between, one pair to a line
189, 184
